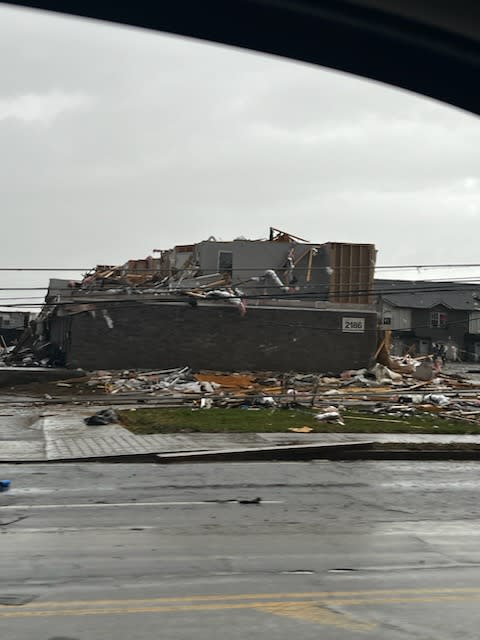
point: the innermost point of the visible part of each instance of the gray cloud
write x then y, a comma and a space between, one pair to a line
116, 141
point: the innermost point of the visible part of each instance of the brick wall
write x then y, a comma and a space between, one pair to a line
208, 337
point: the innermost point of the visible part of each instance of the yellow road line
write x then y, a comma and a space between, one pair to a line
434, 598
276, 607
317, 615
246, 596
160, 609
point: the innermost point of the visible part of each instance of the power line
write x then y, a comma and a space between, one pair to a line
45, 269
466, 265
87, 294
397, 267
23, 288
24, 298
169, 296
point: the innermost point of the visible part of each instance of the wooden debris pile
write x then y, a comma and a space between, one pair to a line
378, 391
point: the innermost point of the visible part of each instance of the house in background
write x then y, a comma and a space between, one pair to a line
422, 313
12, 325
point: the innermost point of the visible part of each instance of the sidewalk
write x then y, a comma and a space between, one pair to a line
61, 434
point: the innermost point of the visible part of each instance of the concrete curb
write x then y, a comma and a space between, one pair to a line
300, 451
340, 453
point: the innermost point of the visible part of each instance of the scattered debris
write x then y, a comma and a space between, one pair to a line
233, 381
437, 399
384, 375
301, 429
106, 416
234, 501
253, 501
424, 371
169, 380
330, 414
267, 401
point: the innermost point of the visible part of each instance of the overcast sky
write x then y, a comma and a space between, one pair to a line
116, 141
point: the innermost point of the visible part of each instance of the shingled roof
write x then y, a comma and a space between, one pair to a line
425, 294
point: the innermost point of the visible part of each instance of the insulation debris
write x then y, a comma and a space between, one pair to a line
330, 414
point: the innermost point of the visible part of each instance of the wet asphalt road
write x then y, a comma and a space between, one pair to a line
333, 550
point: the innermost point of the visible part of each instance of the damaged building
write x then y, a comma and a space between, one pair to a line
272, 305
